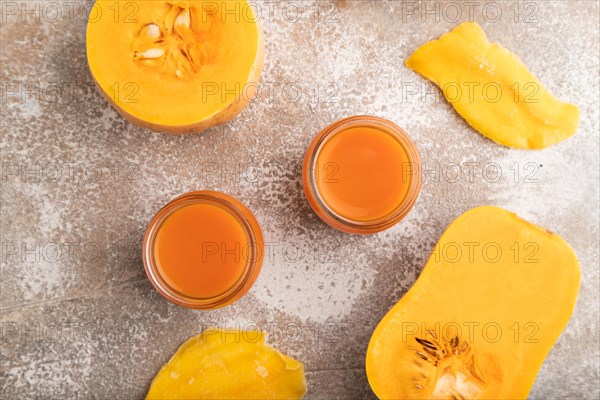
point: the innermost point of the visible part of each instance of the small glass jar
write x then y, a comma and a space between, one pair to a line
362, 174
248, 255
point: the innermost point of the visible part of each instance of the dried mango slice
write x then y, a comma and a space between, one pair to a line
229, 364
493, 90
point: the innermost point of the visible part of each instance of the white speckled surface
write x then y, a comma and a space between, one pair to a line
79, 319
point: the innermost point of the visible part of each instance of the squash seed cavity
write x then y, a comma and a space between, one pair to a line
171, 45
448, 368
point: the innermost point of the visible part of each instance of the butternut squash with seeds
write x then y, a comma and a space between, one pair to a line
493, 298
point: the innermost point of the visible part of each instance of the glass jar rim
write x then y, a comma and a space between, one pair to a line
253, 260
344, 223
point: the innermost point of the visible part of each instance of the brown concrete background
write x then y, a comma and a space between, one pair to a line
79, 318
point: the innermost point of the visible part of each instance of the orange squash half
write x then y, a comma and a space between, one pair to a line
175, 66
493, 298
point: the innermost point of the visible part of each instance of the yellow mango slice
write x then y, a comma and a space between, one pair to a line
229, 364
493, 90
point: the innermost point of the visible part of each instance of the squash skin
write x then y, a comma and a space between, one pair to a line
505, 292
523, 115
226, 113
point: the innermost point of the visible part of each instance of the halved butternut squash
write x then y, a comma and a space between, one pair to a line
175, 66
493, 298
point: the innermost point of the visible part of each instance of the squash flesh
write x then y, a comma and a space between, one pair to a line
228, 49
493, 90
479, 297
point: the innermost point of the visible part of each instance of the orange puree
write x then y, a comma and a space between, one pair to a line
201, 250
362, 173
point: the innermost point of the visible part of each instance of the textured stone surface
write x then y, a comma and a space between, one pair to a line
79, 184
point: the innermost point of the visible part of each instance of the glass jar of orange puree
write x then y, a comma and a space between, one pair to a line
203, 250
362, 174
